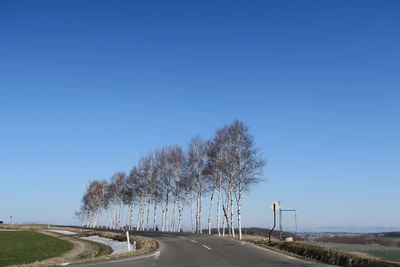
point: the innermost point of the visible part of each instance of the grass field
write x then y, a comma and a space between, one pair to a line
27, 247
382, 252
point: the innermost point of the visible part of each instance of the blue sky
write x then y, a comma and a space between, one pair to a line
86, 87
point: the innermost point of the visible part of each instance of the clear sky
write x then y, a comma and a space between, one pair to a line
86, 87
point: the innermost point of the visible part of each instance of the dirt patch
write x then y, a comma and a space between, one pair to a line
82, 249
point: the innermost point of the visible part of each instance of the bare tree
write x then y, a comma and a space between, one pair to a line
214, 175
243, 164
131, 194
196, 163
176, 167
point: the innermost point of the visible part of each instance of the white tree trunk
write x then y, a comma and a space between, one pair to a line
166, 213
140, 210
231, 219
154, 215
180, 209
198, 215
192, 210
142, 217
130, 216
163, 216
114, 216
108, 223
218, 211
120, 214
238, 214
172, 228
210, 212
148, 215
228, 222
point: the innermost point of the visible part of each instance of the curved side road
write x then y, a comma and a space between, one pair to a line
202, 250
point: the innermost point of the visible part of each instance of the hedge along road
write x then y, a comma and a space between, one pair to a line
202, 250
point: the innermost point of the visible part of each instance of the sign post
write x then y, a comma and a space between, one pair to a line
275, 206
127, 239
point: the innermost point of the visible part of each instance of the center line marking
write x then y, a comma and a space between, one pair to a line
207, 247
194, 241
181, 237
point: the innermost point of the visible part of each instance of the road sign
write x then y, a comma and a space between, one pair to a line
275, 206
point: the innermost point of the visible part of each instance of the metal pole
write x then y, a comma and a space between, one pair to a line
280, 223
270, 232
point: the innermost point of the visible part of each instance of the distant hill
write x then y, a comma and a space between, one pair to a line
392, 234
351, 229
385, 239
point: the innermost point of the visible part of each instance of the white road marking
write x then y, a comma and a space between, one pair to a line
155, 254
207, 247
181, 237
194, 241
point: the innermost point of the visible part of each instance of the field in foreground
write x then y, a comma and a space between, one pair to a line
376, 251
26, 247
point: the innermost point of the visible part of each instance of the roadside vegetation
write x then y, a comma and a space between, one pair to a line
385, 246
326, 254
21, 247
172, 178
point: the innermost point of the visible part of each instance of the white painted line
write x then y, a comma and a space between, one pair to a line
155, 255
194, 241
181, 237
207, 247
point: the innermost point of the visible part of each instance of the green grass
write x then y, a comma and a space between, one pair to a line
27, 247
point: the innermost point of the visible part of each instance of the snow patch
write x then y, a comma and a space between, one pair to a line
62, 232
116, 246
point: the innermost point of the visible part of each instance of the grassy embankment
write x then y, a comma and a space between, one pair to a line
23, 247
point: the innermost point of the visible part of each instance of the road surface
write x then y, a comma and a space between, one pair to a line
181, 250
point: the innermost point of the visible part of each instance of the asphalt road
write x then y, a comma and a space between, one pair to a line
181, 250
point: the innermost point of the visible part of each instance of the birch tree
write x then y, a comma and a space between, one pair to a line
131, 194
197, 159
176, 161
214, 175
243, 164
228, 165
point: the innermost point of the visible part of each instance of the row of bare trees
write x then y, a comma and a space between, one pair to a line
171, 178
